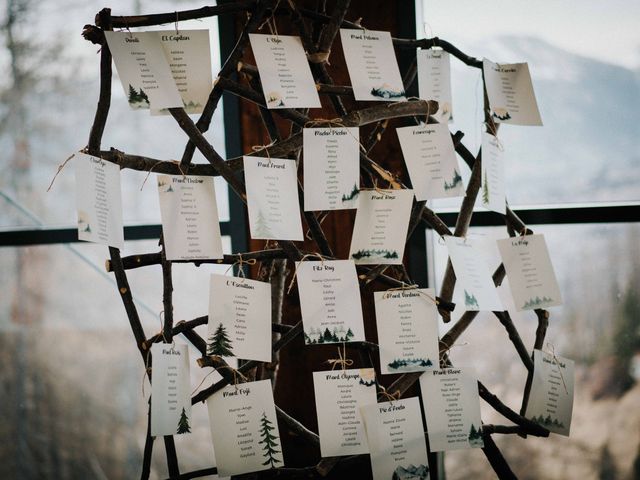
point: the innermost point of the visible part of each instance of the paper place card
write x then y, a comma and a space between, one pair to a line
272, 198
284, 71
551, 398
330, 302
189, 214
373, 68
239, 318
434, 81
492, 188
452, 409
331, 168
244, 428
170, 390
396, 440
99, 201
381, 226
531, 277
431, 161
473, 274
143, 70
407, 322
510, 93
339, 396
189, 57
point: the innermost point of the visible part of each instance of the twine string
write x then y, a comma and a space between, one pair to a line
552, 351
295, 272
341, 360
60, 167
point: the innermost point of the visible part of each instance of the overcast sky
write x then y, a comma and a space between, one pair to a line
607, 30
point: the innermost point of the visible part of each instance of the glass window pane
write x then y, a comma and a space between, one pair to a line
598, 326
587, 91
49, 115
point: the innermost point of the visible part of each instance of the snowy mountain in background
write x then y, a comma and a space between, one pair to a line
587, 149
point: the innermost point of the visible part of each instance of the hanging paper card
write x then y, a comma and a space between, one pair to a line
143, 70
272, 198
381, 225
244, 428
531, 278
99, 201
331, 168
452, 409
189, 57
431, 161
170, 392
239, 318
396, 440
510, 93
189, 214
551, 398
330, 302
473, 274
284, 71
407, 322
339, 396
434, 81
492, 189
372, 65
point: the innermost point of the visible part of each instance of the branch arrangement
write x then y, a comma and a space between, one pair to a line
317, 31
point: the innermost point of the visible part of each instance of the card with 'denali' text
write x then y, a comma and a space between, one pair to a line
551, 399
396, 440
244, 428
99, 201
170, 390
239, 318
530, 272
143, 70
189, 213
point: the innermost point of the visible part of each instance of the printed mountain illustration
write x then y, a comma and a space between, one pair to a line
475, 437
387, 91
137, 99
376, 253
183, 423
219, 343
261, 227
274, 99
352, 195
547, 422
470, 300
409, 363
537, 302
367, 383
411, 472
485, 189
455, 181
319, 336
269, 440
500, 114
